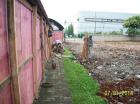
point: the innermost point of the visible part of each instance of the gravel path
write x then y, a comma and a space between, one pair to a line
56, 92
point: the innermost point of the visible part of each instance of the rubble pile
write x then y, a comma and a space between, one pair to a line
57, 48
116, 66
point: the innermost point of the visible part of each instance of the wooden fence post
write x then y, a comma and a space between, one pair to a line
13, 51
47, 42
34, 23
43, 47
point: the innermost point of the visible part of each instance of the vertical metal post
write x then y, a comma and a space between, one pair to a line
95, 24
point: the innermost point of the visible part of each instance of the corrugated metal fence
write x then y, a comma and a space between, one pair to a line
24, 49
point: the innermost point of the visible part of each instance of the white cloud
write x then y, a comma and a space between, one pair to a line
66, 9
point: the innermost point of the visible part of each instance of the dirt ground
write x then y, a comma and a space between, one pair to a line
116, 66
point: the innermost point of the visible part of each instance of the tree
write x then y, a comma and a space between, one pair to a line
133, 25
69, 30
66, 30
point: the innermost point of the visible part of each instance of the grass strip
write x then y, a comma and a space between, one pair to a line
82, 87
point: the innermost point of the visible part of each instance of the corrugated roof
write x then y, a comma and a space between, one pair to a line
57, 24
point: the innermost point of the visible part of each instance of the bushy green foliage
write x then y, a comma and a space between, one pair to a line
80, 35
133, 25
115, 33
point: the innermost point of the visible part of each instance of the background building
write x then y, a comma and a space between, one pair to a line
100, 22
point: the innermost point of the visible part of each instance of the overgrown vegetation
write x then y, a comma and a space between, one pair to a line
80, 35
114, 33
133, 26
83, 88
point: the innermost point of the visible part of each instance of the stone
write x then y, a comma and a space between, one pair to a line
118, 79
120, 103
137, 76
115, 73
89, 74
100, 67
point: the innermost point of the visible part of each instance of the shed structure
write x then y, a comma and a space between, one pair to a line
24, 49
58, 33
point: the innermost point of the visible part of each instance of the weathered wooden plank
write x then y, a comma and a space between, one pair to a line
13, 51
50, 46
47, 42
34, 51
26, 4
5, 82
24, 63
38, 47
42, 46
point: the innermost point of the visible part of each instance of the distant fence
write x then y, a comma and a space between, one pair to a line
106, 38
115, 38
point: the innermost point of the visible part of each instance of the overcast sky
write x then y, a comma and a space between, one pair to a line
62, 10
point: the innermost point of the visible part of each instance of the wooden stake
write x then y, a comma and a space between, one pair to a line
13, 51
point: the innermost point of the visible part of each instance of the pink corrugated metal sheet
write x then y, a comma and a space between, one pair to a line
5, 95
18, 32
4, 66
58, 35
23, 32
26, 84
24, 51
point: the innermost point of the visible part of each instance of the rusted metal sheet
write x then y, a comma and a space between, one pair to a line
26, 84
5, 95
23, 32
58, 35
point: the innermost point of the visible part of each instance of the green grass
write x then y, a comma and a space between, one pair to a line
67, 52
82, 87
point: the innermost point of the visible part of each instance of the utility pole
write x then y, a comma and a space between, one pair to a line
103, 26
95, 24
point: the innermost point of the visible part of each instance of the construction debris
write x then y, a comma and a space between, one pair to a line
116, 66
58, 48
